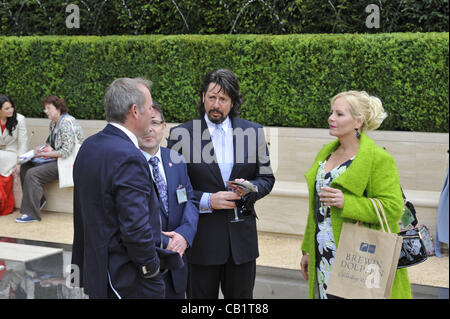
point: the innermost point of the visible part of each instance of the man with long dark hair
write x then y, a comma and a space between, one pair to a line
219, 147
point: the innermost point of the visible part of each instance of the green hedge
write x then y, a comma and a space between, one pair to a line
286, 80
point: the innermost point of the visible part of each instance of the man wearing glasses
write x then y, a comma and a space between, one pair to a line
179, 214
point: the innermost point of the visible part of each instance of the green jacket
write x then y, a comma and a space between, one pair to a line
373, 170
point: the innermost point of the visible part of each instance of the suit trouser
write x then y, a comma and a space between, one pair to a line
33, 178
236, 281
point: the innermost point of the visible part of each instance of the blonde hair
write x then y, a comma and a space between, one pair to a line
362, 105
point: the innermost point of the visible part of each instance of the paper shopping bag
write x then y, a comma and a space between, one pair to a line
65, 168
365, 264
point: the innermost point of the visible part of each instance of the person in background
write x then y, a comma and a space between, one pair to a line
344, 175
179, 213
13, 142
38, 172
442, 219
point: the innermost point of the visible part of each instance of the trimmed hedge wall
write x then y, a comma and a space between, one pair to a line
286, 80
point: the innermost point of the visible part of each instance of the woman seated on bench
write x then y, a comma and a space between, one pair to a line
43, 169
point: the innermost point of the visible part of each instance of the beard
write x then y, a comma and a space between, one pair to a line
216, 120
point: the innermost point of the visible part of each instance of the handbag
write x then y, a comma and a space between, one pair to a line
65, 165
366, 260
413, 248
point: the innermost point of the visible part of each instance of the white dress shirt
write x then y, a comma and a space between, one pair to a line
160, 163
227, 154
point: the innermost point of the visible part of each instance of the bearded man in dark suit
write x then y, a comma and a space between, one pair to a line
219, 147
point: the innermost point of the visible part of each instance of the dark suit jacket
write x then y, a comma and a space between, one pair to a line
216, 237
116, 218
181, 218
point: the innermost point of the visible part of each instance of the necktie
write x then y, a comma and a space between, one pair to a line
220, 150
221, 143
160, 183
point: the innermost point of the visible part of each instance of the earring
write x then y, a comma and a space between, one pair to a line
358, 136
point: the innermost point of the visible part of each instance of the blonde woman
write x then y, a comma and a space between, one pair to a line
345, 174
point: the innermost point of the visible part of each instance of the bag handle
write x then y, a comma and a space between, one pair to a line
374, 201
74, 132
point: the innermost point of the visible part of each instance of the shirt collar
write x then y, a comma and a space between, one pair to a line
128, 133
149, 156
226, 124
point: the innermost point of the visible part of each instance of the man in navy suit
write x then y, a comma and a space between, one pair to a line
179, 219
116, 209
219, 147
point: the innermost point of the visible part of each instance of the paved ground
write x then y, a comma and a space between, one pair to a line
276, 251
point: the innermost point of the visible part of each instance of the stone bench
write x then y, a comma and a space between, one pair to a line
285, 210
58, 199
422, 160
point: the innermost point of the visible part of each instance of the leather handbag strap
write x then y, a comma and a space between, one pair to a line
376, 201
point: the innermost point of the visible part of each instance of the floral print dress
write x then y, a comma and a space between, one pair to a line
325, 244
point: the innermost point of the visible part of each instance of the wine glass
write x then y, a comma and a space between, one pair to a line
236, 217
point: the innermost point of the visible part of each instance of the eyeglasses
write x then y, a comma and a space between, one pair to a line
156, 124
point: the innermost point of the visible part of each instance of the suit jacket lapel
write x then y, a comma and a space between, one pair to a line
235, 169
356, 176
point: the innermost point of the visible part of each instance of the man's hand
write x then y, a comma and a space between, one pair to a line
237, 189
224, 200
177, 242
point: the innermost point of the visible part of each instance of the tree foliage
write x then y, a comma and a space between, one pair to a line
137, 17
